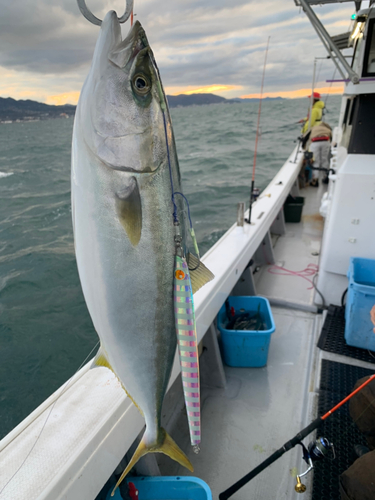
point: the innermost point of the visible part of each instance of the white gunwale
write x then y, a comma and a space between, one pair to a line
77, 458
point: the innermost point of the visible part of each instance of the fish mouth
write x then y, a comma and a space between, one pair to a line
136, 39
133, 43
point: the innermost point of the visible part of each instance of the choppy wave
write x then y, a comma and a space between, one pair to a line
45, 329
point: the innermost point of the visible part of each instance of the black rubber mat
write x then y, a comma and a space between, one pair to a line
336, 382
332, 337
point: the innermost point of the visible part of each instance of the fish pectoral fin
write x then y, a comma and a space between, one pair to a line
129, 210
165, 444
199, 274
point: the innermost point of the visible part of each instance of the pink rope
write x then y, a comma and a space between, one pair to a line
308, 272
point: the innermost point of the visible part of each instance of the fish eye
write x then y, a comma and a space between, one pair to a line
141, 84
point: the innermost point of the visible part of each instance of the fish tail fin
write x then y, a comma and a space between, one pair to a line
165, 444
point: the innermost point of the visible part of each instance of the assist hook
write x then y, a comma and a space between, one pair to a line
95, 20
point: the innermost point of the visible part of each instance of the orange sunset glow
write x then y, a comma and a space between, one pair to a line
66, 98
72, 97
210, 89
296, 94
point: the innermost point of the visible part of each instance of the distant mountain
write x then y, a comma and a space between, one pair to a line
264, 99
11, 110
194, 99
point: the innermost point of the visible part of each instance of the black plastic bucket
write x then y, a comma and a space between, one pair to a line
293, 208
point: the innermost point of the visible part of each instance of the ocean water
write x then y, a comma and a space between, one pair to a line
45, 329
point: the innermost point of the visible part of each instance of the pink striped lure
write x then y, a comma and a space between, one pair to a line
187, 347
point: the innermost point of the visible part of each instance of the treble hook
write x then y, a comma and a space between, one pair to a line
95, 20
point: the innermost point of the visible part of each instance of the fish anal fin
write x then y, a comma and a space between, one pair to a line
165, 444
129, 211
199, 274
101, 360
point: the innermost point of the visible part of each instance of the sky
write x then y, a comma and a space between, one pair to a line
214, 46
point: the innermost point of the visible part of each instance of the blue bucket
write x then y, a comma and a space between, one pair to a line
360, 300
246, 348
167, 488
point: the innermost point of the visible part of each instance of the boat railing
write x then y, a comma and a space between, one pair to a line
71, 444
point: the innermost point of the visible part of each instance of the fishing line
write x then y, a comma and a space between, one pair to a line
329, 90
320, 67
188, 207
64, 389
257, 134
175, 216
192, 233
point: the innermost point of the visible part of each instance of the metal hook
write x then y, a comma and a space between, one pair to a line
95, 20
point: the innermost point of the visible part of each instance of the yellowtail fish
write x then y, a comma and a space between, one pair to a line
122, 176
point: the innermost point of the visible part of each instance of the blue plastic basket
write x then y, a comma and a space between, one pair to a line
359, 302
168, 488
246, 348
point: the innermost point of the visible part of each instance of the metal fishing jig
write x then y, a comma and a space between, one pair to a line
86, 12
187, 340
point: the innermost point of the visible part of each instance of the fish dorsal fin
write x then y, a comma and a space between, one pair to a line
129, 210
199, 274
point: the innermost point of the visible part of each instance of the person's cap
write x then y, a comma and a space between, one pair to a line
316, 95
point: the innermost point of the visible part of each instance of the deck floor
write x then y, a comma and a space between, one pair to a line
298, 249
258, 411
262, 408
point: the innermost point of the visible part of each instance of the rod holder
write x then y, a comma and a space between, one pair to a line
240, 213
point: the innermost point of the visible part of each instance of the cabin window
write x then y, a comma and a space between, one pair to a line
362, 137
346, 112
357, 52
352, 110
369, 66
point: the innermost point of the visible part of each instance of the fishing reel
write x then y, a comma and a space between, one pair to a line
255, 194
317, 450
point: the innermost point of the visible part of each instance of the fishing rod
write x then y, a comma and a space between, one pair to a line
288, 446
257, 136
309, 114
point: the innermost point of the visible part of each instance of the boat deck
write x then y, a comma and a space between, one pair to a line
298, 251
260, 409
257, 412
247, 413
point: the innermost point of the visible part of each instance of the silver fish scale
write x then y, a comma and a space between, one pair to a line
128, 288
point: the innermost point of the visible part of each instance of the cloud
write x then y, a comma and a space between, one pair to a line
49, 44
